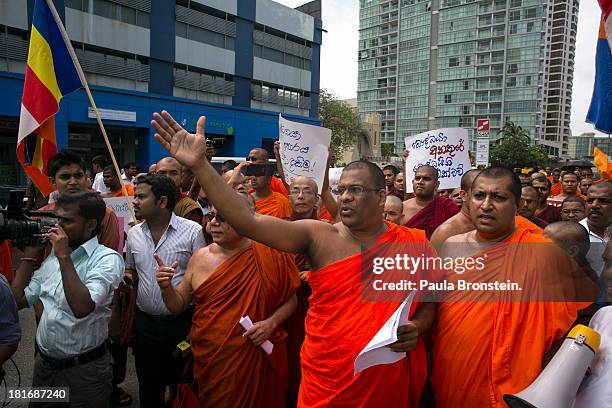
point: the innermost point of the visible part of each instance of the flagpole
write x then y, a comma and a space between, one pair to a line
81, 74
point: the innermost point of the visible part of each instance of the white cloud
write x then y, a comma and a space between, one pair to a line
339, 53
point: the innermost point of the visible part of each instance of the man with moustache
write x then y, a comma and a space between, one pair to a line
162, 237
467, 321
184, 207
334, 335
390, 172
545, 211
597, 222
426, 211
573, 209
569, 183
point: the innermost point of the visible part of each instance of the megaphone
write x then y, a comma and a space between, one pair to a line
558, 383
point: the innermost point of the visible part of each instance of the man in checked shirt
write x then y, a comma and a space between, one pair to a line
172, 240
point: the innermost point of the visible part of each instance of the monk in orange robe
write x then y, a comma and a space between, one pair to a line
339, 323
426, 211
232, 278
267, 201
498, 347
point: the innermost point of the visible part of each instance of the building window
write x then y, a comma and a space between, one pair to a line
448, 98
104, 8
453, 62
468, 60
515, 15
465, 109
512, 68
528, 80
466, 85
511, 82
531, 12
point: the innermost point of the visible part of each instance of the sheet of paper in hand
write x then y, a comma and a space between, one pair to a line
444, 149
303, 150
334, 177
246, 323
377, 352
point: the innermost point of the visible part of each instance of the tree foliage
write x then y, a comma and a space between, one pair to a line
514, 149
387, 150
342, 119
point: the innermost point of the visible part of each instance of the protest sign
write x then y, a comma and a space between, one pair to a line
122, 212
444, 149
334, 177
303, 150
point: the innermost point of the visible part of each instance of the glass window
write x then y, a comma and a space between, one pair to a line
515, 15
181, 29
142, 19
103, 8
272, 55
127, 15
448, 98
205, 36
453, 62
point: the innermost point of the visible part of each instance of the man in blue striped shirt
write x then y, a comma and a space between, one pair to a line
75, 284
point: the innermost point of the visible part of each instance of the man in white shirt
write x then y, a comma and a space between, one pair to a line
599, 218
98, 163
130, 170
172, 240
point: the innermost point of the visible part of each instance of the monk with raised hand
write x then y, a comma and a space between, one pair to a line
459, 223
339, 324
426, 211
498, 347
229, 279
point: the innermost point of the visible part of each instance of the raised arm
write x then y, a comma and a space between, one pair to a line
279, 163
326, 196
189, 149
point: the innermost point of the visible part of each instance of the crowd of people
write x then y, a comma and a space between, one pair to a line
250, 290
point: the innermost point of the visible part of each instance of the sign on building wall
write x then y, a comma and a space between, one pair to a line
483, 128
112, 114
444, 149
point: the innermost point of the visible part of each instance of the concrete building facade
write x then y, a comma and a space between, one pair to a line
239, 63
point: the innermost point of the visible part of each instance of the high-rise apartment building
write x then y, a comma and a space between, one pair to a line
426, 64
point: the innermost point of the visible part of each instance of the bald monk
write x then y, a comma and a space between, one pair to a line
459, 223
573, 238
394, 210
261, 156
339, 324
229, 279
185, 207
528, 204
426, 211
545, 211
569, 185
267, 202
497, 347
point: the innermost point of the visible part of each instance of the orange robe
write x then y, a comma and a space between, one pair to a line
229, 369
278, 186
486, 348
524, 223
339, 325
556, 189
275, 205
325, 215
128, 188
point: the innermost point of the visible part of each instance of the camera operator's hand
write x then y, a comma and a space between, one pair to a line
59, 241
164, 273
33, 251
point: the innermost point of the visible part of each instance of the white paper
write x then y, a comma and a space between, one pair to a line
377, 352
445, 149
334, 177
247, 324
124, 215
304, 150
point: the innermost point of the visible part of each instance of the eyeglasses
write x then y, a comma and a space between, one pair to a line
353, 190
212, 215
296, 192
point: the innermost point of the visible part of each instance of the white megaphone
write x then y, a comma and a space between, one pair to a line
558, 383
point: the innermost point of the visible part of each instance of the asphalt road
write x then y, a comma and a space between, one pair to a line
24, 358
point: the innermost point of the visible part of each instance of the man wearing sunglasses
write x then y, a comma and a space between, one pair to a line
599, 218
340, 323
232, 278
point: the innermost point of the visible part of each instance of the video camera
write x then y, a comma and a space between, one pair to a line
25, 227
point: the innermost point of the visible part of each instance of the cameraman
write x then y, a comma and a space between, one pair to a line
75, 284
10, 332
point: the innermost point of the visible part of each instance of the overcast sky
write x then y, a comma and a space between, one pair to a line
339, 53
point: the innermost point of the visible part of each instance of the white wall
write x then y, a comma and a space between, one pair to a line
14, 13
108, 33
206, 56
285, 19
281, 74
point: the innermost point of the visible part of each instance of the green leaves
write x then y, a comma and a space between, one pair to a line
342, 119
514, 149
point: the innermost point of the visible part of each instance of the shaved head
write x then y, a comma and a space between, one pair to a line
305, 180
169, 161
303, 198
259, 155
468, 178
377, 177
570, 236
394, 209
429, 170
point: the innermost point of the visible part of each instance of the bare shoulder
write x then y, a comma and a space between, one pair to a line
458, 238
202, 254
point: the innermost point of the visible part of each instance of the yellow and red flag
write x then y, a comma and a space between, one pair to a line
50, 75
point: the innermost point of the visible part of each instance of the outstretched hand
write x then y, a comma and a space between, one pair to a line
188, 148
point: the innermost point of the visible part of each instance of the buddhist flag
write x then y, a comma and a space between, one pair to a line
600, 111
50, 75
603, 164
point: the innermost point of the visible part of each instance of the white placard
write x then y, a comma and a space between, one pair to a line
123, 214
334, 177
112, 114
482, 152
303, 150
444, 149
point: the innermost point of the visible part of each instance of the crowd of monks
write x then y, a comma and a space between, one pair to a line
290, 257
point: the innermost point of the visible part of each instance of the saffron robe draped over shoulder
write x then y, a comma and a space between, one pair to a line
278, 186
229, 369
432, 216
339, 325
484, 349
275, 205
